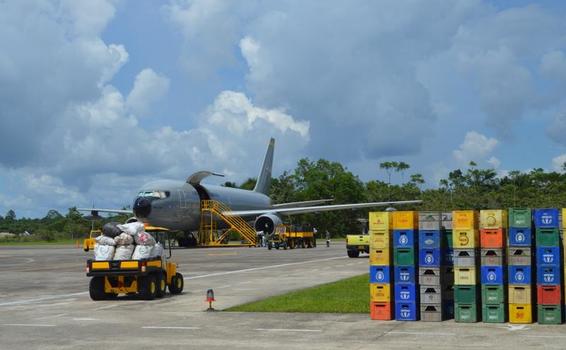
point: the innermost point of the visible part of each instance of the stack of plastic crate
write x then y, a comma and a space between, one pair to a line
447, 269
433, 277
520, 261
493, 229
549, 266
405, 239
380, 269
465, 238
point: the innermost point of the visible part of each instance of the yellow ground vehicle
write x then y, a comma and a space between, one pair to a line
89, 242
356, 244
292, 236
148, 278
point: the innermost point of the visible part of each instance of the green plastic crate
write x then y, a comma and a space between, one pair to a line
493, 294
404, 257
447, 239
466, 313
466, 294
549, 314
547, 237
494, 313
520, 217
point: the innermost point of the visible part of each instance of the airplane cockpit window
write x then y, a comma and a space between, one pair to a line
154, 194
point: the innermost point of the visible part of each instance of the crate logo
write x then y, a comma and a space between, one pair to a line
548, 277
429, 241
405, 295
464, 240
429, 258
491, 276
405, 313
403, 239
546, 219
404, 276
519, 276
548, 257
491, 220
380, 276
520, 237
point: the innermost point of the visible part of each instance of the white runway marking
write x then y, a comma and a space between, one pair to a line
85, 319
261, 268
287, 330
48, 317
50, 297
543, 336
421, 333
27, 325
172, 327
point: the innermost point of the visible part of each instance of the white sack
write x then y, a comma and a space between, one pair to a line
156, 251
124, 252
144, 238
142, 252
133, 228
105, 240
103, 252
124, 239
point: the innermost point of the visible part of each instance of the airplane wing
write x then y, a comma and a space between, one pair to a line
315, 209
302, 204
95, 211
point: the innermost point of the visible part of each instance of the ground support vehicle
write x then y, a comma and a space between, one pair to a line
146, 278
356, 244
89, 242
291, 236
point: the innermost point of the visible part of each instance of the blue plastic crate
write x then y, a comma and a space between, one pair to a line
429, 239
406, 311
548, 275
406, 293
519, 274
447, 257
546, 218
520, 237
493, 275
429, 257
405, 274
548, 256
379, 274
403, 238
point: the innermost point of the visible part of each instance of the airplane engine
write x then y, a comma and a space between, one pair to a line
267, 223
132, 219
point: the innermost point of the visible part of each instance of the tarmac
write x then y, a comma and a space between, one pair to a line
44, 304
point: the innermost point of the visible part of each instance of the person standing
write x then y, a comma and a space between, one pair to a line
327, 239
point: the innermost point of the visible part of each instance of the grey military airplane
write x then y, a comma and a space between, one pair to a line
176, 204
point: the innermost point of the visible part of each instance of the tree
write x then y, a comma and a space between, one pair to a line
10, 215
229, 184
401, 167
53, 215
249, 184
417, 179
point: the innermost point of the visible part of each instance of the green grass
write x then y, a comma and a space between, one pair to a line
345, 296
12, 242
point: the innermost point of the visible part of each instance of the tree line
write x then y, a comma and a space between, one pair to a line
470, 188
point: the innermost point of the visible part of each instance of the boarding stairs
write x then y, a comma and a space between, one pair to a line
210, 236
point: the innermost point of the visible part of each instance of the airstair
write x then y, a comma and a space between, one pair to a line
211, 236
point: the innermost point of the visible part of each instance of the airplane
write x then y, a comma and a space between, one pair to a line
176, 205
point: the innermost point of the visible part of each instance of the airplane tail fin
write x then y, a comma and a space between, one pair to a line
264, 178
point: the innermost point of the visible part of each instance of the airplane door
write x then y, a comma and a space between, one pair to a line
183, 200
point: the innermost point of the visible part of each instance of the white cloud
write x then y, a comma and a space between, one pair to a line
148, 88
558, 163
477, 148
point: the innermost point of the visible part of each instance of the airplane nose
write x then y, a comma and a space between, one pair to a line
142, 207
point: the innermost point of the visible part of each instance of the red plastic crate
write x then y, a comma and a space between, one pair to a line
548, 295
492, 238
381, 311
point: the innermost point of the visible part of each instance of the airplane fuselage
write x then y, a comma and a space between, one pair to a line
176, 204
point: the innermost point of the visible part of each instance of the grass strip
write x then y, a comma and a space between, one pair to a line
350, 295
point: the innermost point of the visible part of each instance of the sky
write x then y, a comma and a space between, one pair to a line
98, 97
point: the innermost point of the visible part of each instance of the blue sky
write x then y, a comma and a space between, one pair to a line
99, 97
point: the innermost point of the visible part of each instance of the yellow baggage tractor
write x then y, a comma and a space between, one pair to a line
148, 278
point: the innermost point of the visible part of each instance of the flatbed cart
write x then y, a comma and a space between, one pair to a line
147, 278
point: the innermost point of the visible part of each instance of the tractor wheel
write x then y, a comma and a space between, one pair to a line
148, 287
302, 243
314, 242
269, 246
96, 288
177, 284
161, 285
353, 253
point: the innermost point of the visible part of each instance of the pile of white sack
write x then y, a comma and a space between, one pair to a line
126, 242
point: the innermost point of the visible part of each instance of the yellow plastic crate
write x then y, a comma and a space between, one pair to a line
465, 276
493, 219
520, 294
380, 239
380, 292
520, 313
380, 220
465, 238
380, 256
464, 219
405, 220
